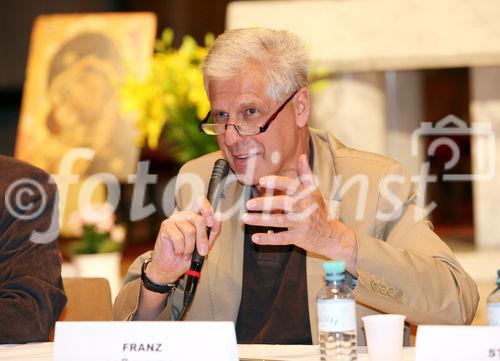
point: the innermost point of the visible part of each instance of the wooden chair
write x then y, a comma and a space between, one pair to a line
89, 299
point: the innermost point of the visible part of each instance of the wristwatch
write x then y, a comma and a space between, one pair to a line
150, 285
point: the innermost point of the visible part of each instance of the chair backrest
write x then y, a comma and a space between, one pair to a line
89, 299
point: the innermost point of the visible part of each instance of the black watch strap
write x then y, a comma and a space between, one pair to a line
150, 285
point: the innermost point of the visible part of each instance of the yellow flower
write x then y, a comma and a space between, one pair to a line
172, 97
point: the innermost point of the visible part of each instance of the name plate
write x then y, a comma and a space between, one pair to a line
457, 343
145, 341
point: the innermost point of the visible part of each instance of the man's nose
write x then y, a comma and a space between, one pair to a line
231, 136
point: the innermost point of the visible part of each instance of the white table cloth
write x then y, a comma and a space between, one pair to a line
44, 352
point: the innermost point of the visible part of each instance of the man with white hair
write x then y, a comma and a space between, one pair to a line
299, 197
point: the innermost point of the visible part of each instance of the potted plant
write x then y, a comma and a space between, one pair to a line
99, 241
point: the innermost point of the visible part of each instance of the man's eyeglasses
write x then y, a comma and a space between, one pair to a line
208, 126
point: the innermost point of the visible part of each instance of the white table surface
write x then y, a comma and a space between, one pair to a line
44, 352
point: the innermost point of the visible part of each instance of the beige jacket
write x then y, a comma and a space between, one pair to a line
403, 266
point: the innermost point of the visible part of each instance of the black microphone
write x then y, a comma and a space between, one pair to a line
215, 188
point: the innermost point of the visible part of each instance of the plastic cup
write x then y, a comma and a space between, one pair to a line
384, 337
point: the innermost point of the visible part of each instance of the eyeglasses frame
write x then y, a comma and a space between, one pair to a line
262, 129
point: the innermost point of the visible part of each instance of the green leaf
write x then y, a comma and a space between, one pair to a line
209, 39
167, 37
109, 246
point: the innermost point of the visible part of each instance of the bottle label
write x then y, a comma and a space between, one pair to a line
336, 315
494, 314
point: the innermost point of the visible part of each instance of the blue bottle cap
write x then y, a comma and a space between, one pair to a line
334, 270
334, 267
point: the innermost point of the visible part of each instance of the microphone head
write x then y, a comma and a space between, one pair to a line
217, 181
220, 170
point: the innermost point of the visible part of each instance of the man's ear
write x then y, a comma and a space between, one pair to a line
301, 105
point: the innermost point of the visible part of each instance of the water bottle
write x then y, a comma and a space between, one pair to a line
336, 316
494, 304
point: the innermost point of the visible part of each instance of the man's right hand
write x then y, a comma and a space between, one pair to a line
176, 240
173, 250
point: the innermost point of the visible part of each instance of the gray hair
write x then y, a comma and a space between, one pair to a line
280, 54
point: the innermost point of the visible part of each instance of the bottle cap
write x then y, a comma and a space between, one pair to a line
498, 277
334, 270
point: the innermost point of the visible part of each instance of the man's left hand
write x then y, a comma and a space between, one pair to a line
299, 206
